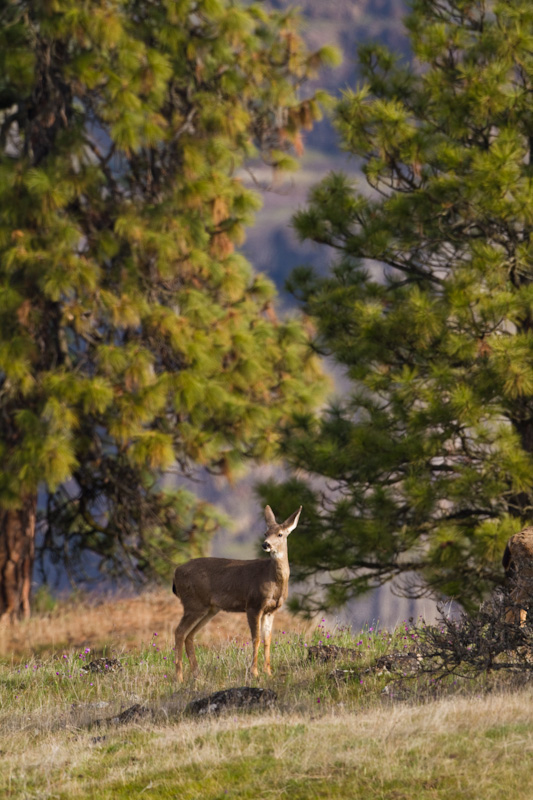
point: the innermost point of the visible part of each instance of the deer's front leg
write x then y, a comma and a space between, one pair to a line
266, 624
254, 621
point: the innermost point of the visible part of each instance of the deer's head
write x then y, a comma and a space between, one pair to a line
276, 535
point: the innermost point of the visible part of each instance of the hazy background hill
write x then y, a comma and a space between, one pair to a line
271, 245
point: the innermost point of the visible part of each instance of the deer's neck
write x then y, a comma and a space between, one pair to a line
279, 568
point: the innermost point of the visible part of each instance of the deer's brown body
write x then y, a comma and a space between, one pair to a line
257, 587
518, 564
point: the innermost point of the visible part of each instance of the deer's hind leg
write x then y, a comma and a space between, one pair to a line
191, 621
189, 638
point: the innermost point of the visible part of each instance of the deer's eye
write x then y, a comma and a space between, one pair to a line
280, 534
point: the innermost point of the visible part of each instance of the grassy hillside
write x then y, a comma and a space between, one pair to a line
350, 728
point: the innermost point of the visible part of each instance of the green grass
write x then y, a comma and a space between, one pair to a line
323, 739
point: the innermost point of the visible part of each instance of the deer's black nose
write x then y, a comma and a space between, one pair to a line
265, 546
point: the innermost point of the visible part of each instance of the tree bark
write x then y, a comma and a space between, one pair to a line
17, 552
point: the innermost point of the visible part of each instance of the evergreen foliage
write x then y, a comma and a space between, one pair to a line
426, 458
135, 341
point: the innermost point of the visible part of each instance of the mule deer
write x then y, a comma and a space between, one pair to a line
518, 564
256, 587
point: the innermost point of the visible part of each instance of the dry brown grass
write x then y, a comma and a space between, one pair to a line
121, 622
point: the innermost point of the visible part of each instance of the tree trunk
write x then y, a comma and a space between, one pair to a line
521, 504
17, 550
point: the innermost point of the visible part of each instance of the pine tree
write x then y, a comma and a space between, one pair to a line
426, 457
134, 339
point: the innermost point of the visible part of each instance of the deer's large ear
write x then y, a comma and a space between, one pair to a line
292, 521
269, 516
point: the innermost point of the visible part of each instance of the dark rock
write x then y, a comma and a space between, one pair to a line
130, 714
134, 712
243, 697
398, 662
393, 663
331, 652
103, 665
341, 675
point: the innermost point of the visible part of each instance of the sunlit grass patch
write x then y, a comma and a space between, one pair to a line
369, 733
452, 748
